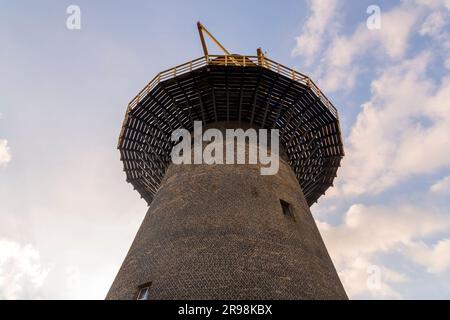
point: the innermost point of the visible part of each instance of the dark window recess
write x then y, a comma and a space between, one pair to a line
144, 292
287, 209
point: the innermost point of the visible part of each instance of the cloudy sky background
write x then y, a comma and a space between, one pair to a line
67, 216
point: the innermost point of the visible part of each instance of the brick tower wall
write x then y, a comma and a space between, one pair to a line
219, 232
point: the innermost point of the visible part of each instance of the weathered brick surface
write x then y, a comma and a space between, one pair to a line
218, 232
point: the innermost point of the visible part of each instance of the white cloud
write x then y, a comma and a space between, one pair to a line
319, 24
368, 231
341, 58
403, 130
26, 274
436, 26
356, 274
21, 270
442, 186
435, 259
341, 65
76, 282
338, 66
92, 214
5, 155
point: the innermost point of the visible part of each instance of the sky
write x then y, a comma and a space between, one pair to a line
67, 216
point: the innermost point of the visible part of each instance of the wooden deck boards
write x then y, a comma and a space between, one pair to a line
309, 128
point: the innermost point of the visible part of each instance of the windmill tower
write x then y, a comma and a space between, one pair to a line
225, 231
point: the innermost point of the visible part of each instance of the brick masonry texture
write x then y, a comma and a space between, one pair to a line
219, 232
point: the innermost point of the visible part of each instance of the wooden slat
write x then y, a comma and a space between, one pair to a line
271, 96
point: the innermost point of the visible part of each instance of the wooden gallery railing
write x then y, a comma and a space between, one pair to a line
230, 60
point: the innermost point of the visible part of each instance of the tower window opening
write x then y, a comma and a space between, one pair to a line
287, 209
144, 292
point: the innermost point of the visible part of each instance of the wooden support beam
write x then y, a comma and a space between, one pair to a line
201, 29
